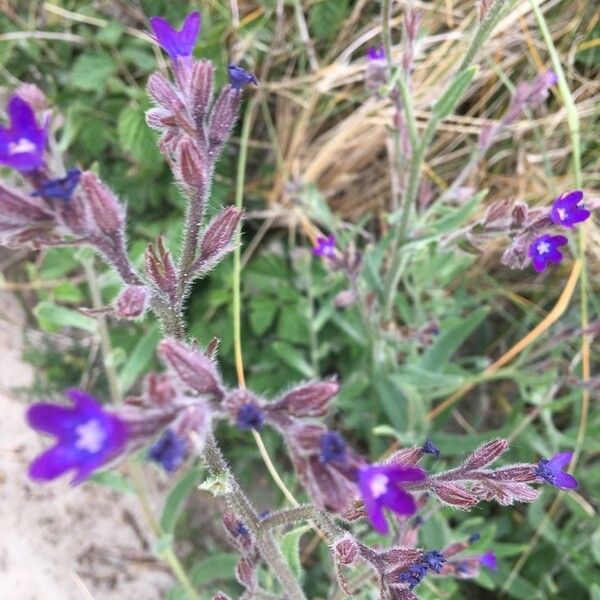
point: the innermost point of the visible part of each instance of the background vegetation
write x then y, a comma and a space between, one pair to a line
318, 155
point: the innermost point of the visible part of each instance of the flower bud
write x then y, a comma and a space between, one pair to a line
159, 389
223, 117
132, 302
193, 368
238, 532
245, 572
164, 93
309, 400
191, 166
486, 454
346, 550
201, 89
406, 456
454, 495
32, 94
194, 423
160, 268
221, 596
160, 118
107, 213
524, 473
218, 238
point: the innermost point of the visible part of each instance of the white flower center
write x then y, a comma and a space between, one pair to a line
23, 146
379, 485
543, 248
90, 436
562, 213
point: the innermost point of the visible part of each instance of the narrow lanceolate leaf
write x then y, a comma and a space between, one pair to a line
290, 547
447, 103
49, 314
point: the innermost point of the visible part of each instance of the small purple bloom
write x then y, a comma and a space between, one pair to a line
241, 529
430, 448
374, 54
177, 43
239, 78
60, 189
88, 437
552, 471
434, 559
568, 209
250, 416
333, 448
325, 247
169, 451
22, 143
545, 250
489, 560
474, 537
381, 487
413, 575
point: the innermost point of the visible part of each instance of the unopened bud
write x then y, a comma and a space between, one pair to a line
346, 550
486, 454
201, 84
412, 22
192, 367
484, 8
105, 209
519, 214
221, 596
191, 165
160, 118
218, 238
194, 424
223, 117
245, 572
524, 473
132, 302
159, 389
454, 495
310, 400
406, 456
32, 94
160, 268
164, 93
240, 536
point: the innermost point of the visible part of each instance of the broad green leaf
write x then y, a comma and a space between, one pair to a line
290, 547
447, 103
293, 358
51, 316
113, 480
91, 70
139, 359
177, 497
326, 18
219, 566
392, 400
137, 138
262, 313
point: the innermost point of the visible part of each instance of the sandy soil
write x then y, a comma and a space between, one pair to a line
58, 542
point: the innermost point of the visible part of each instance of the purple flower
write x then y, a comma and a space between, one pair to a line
430, 448
22, 143
545, 250
250, 416
333, 447
374, 54
88, 437
489, 560
240, 78
434, 559
413, 575
568, 209
61, 189
325, 247
169, 451
552, 471
381, 487
177, 43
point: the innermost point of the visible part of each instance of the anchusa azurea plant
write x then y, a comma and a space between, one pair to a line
171, 421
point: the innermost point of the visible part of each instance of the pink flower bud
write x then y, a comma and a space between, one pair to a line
524, 473
32, 94
456, 548
164, 94
245, 572
159, 389
345, 298
194, 423
107, 213
160, 268
238, 533
221, 596
346, 550
132, 302
201, 89
309, 400
218, 239
223, 117
194, 369
406, 456
454, 495
159, 119
486, 454
191, 166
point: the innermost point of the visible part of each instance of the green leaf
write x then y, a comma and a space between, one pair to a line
457, 217
139, 358
447, 103
290, 547
91, 70
52, 316
262, 313
177, 497
392, 400
136, 137
219, 566
113, 480
293, 358
327, 17
450, 340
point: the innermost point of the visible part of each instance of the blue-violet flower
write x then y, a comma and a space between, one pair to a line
88, 437
22, 143
568, 209
545, 250
250, 416
169, 451
374, 54
430, 448
333, 448
325, 247
240, 78
413, 575
552, 471
489, 560
60, 189
434, 559
381, 487
177, 43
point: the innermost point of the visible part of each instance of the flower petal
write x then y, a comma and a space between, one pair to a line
399, 473
51, 418
21, 114
560, 460
400, 502
189, 31
52, 463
